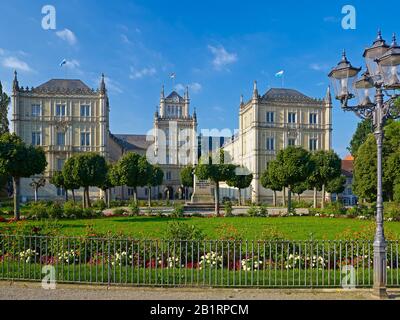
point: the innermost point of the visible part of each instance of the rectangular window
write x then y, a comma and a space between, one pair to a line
85, 139
168, 175
313, 118
60, 138
60, 164
36, 110
270, 144
60, 192
291, 142
36, 138
60, 110
85, 110
270, 117
292, 117
313, 144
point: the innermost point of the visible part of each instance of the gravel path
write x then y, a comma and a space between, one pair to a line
34, 291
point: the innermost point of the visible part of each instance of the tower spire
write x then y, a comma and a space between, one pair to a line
328, 96
241, 99
255, 91
187, 92
102, 84
162, 92
15, 82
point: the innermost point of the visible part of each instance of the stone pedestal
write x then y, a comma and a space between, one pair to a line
203, 191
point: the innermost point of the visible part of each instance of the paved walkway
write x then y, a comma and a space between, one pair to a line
34, 291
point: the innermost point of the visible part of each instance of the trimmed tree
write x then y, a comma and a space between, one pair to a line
327, 166
241, 180
107, 184
270, 179
132, 170
58, 181
187, 178
295, 166
36, 184
336, 185
216, 173
19, 161
88, 170
156, 176
70, 182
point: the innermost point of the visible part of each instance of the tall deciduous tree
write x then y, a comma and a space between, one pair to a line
217, 173
19, 161
270, 179
364, 128
295, 166
132, 170
4, 102
327, 166
187, 178
58, 181
156, 176
240, 180
88, 170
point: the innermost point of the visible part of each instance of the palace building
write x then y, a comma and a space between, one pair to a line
64, 117
271, 122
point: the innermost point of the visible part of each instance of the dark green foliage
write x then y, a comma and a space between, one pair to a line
182, 231
4, 102
364, 128
186, 176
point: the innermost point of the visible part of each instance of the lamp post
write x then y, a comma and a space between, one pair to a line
379, 80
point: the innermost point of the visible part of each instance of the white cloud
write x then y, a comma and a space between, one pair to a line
2, 51
67, 35
15, 63
194, 87
319, 66
138, 74
72, 64
125, 39
112, 85
222, 57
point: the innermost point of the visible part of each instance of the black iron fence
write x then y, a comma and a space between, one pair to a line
210, 263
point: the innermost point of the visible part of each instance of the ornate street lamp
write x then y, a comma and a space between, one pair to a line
382, 75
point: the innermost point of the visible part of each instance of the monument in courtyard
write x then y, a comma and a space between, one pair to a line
203, 192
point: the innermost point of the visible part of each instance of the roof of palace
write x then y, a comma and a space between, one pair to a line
348, 166
64, 86
286, 95
174, 94
133, 141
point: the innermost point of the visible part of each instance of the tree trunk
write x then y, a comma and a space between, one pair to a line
16, 185
289, 207
149, 197
36, 194
284, 196
73, 195
135, 195
274, 197
88, 197
66, 194
105, 191
108, 197
315, 198
84, 199
216, 200
298, 197
239, 197
323, 197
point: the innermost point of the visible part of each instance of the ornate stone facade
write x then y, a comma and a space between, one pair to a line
273, 121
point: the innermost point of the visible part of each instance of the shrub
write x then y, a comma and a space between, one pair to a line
99, 204
134, 208
262, 210
228, 209
55, 211
117, 203
252, 211
272, 234
72, 210
182, 231
178, 211
119, 211
38, 211
301, 204
392, 211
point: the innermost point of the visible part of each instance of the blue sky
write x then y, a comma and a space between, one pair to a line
216, 47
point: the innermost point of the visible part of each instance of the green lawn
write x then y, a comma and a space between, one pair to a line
291, 228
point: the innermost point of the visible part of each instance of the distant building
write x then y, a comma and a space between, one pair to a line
273, 121
347, 197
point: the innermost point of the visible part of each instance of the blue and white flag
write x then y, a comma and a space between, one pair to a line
279, 74
63, 62
173, 75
